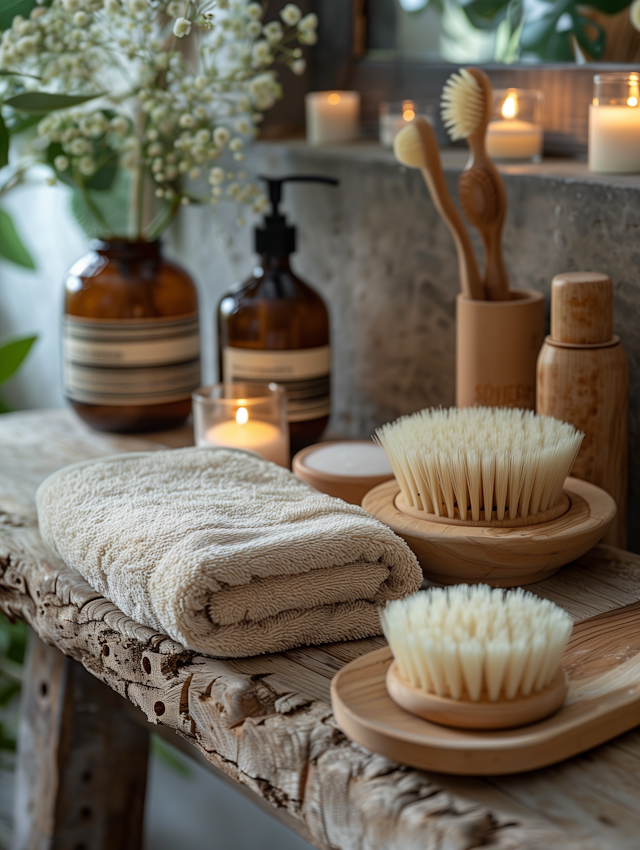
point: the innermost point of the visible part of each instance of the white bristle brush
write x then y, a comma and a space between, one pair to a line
475, 644
467, 104
501, 462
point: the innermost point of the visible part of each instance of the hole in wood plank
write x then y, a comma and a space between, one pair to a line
85, 812
80, 847
105, 649
146, 664
44, 689
159, 708
87, 776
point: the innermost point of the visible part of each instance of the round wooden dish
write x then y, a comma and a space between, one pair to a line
350, 488
453, 552
464, 714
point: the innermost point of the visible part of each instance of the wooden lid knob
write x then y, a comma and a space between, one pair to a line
582, 308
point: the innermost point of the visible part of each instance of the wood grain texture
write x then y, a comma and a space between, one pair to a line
82, 762
433, 175
602, 664
465, 714
266, 722
501, 557
497, 345
589, 387
483, 198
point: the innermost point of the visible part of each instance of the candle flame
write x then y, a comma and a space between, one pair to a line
242, 416
510, 106
334, 98
633, 101
408, 112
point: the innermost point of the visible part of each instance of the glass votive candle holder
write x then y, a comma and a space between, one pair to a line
332, 116
249, 416
395, 114
614, 123
515, 131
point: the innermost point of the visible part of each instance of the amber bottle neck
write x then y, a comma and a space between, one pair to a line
269, 263
129, 251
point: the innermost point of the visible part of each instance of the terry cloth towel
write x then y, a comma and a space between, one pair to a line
224, 552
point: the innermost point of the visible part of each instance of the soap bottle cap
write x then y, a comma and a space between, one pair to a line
276, 238
582, 308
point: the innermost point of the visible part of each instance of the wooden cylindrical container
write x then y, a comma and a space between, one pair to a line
583, 379
497, 344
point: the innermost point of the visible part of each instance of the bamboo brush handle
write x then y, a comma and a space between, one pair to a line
470, 281
483, 199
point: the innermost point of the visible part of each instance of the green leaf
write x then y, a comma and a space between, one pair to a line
42, 102
4, 407
590, 36
4, 144
610, 7
12, 354
16, 124
11, 246
486, 14
104, 177
10, 8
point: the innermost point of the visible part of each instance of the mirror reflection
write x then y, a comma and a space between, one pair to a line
505, 31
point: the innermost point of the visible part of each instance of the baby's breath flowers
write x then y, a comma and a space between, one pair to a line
179, 88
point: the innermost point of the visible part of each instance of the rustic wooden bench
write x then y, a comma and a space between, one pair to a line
263, 723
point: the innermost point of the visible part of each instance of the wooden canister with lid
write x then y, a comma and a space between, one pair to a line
582, 378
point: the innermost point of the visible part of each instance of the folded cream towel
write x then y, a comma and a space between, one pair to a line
222, 551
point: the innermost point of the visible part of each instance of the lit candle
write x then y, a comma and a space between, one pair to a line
261, 438
614, 124
393, 117
332, 116
510, 136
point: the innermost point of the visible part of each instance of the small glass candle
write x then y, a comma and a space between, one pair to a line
515, 131
249, 416
614, 123
332, 116
394, 115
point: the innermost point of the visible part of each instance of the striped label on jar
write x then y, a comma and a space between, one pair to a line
130, 361
303, 372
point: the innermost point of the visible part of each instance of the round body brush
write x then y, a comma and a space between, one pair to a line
476, 658
482, 464
481, 494
467, 103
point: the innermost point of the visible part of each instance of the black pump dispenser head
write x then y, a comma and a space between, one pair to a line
276, 238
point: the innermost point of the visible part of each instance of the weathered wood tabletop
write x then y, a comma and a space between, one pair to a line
266, 722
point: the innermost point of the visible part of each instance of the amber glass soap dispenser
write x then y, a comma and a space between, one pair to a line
274, 327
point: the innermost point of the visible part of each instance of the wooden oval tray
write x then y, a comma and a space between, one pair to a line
501, 557
602, 663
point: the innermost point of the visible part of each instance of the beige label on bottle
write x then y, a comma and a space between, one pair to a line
130, 361
303, 372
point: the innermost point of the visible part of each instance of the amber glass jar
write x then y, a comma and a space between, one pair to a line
274, 327
131, 349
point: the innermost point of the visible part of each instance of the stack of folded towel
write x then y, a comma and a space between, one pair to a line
224, 552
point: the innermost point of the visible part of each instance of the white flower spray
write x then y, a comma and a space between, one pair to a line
179, 88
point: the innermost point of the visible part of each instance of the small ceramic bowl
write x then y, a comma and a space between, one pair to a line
347, 470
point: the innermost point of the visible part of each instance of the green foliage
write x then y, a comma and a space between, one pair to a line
12, 354
11, 246
10, 8
540, 36
13, 637
41, 103
168, 755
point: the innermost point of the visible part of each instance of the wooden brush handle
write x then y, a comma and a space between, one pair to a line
483, 199
470, 281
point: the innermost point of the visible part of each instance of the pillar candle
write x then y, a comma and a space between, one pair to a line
614, 139
332, 116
